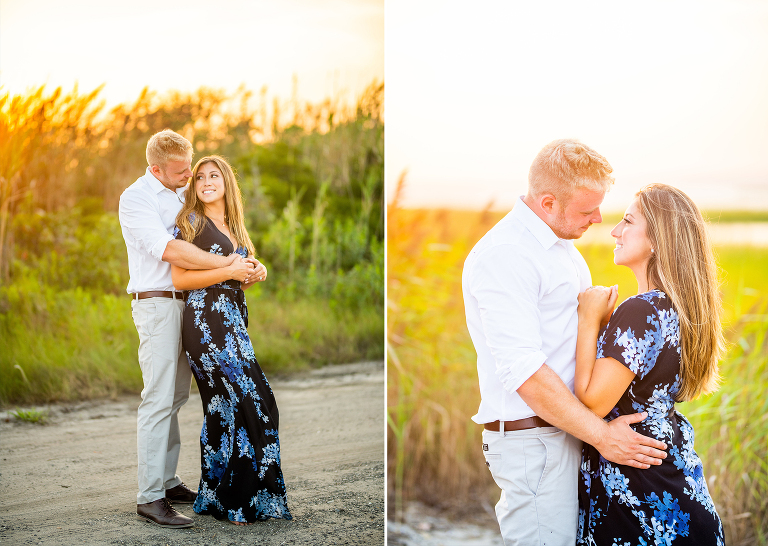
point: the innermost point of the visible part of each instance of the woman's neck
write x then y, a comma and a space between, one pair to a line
643, 285
215, 211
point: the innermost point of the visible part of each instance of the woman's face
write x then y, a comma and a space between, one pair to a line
209, 183
633, 247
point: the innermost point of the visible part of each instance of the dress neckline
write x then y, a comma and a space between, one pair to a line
234, 245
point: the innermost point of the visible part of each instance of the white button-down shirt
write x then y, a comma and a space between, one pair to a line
147, 217
521, 284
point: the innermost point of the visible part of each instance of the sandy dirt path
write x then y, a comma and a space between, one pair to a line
426, 526
73, 480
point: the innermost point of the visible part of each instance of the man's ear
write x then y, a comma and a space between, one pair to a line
548, 203
155, 169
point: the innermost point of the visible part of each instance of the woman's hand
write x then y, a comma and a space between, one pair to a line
259, 273
596, 304
240, 270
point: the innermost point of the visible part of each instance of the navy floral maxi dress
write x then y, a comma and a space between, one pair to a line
667, 504
241, 478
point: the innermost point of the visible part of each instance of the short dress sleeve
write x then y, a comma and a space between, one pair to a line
633, 336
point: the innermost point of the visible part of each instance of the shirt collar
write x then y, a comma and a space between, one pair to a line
158, 186
534, 224
153, 182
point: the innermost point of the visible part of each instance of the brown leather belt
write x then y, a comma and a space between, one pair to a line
157, 294
520, 424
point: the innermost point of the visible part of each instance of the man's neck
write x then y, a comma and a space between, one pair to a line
534, 206
163, 182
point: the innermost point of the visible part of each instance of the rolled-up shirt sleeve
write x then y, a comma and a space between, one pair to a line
506, 284
140, 217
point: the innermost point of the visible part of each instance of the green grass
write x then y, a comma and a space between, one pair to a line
31, 416
731, 216
63, 345
294, 335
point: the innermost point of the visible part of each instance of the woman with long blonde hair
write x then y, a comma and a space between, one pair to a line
659, 347
241, 477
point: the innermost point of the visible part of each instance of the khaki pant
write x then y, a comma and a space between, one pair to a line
167, 378
537, 471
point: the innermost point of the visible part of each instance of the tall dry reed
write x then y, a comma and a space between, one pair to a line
432, 383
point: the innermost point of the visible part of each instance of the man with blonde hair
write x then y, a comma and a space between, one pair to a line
521, 283
148, 210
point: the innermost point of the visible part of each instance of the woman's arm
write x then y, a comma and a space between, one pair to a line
598, 383
191, 279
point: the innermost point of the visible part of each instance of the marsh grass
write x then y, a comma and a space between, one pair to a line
65, 345
434, 451
73, 345
296, 335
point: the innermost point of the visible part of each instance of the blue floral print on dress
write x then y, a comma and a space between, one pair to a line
241, 479
667, 504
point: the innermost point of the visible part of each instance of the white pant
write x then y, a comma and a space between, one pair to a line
167, 378
537, 471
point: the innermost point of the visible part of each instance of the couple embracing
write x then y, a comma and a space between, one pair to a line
190, 259
613, 465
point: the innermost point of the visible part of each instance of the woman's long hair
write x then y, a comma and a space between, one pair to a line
683, 267
191, 220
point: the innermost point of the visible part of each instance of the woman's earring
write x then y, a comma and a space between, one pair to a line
652, 251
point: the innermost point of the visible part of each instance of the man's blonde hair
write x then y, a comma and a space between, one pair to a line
167, 146
564, 166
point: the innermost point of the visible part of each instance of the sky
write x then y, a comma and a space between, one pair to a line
668, 91
335, 48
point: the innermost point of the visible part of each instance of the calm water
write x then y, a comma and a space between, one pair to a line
754, 234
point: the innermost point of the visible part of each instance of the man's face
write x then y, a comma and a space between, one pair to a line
582, 211
175, 174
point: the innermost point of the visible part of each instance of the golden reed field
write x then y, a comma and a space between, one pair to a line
434, 448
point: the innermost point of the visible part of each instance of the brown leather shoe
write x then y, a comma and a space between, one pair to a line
162, 513
181, 494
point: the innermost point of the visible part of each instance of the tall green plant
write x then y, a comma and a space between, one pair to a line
318, 225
